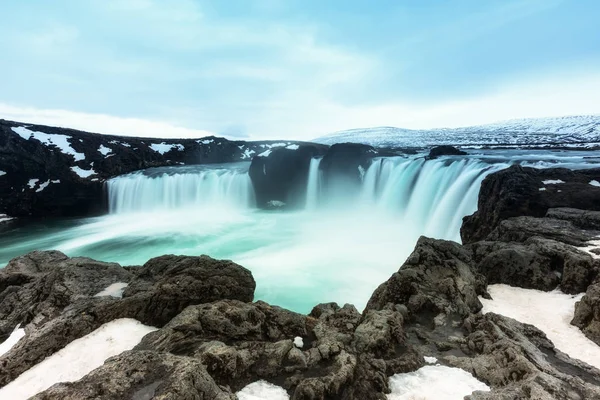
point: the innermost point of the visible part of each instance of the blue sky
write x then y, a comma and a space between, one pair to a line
295, 68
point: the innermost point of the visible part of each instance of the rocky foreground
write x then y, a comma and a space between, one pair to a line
212, 339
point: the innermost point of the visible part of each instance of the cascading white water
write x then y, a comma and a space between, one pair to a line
313, 186
174, 188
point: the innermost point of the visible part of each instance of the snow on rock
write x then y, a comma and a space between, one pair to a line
114, 290
43, 186
430, 360
104, 150
83, 173
595, 183
552, 182
32, 183
163, 148
542, 189
292, 147
550, 312
265, 153
592, 245
298, 342
4, 218
205, 141
68, 364
248, 154
121, 143
434, 382
2, 173
60, 141
13, 339
262, 390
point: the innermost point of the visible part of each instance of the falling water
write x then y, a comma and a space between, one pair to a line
314, 184
176, 187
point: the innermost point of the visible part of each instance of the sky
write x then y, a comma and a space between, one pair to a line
294, 69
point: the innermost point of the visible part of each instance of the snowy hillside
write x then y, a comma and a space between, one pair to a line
577, 131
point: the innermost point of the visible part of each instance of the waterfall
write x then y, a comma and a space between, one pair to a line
171, 188
313, 187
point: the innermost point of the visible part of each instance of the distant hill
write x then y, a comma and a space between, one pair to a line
575, 131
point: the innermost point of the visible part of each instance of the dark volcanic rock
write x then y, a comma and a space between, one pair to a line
437, 278
283, 175
444, 151
142, 375
587, 313
516, 192
43, 178
344, 166
537, 263
157, 292
519, 362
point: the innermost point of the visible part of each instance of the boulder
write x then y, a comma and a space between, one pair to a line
587, 313
522, 191
439, 151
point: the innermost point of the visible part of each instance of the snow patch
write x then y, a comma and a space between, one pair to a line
60, 141
434, 382
298, 342
542, 189
78, 358
248, 153
430, 360
32, 183
265, 153
552, 182
292, 147
592, 244
13, 339
262, 390
205, 141
163, 148
114, 290
104, 150
2, 173
43, 186
595, 183
121, 143
83, 173
553, 314
4, 218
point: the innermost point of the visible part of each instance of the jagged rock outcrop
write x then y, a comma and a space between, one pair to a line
48, 171
282, 175
520, 191
439, 151
587, 313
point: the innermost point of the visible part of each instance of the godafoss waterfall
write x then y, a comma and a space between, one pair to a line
338, 243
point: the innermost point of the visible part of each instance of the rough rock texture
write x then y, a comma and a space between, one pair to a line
444, 151
516, 192
587, 313
157, 292
282, 175
39, 180
141, 375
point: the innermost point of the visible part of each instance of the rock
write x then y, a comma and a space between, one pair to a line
587, 313
444, 151
515, 192
437, 278
42, 180
519, 362
157, 292
344, 166
282, 176
580, 218
537, 263
142, 375
38, 286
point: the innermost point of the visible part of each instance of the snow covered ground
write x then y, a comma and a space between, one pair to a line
78, 358
262, 390
550, 312
13, 339
573, 129
59, 141
434, 382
